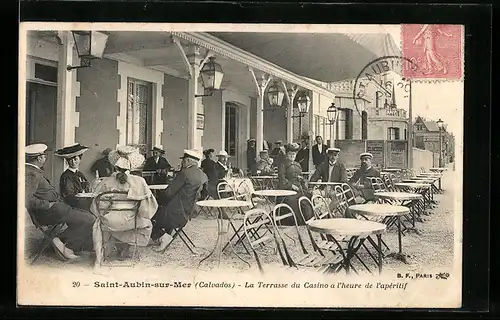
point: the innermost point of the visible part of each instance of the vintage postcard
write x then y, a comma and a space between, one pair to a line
240, 165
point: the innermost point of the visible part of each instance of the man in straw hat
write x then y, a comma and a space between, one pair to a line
330, 170
43, 201
360, 182
159, 164
178, 199
73, 181
102, 168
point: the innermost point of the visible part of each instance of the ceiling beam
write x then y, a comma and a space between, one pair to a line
137, 46
159, 62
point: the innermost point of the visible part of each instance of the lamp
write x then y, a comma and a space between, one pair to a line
440, 124
275, 95
211, 77
331, 113
303, 103
89, 45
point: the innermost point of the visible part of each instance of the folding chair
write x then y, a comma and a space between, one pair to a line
377, 184
49, 232
114, 201
253, 220
282, 211
321, 207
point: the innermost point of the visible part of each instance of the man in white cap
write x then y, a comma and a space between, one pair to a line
43, 201
360, 182
330, 170
178, 200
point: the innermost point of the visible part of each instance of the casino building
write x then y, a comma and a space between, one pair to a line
178, 90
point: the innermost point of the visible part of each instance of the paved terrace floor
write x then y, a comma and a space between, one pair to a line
433, 248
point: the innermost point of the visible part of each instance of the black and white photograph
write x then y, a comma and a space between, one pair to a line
240, 165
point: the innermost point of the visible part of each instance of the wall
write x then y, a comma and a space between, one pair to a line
422, 159
350, 151
174, 137
377, 129
98, 108
213, 134
275, 125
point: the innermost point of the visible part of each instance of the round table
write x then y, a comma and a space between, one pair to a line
268, 194
222, 204
86, 195
158, 186
393, 213
401, 196
354, 229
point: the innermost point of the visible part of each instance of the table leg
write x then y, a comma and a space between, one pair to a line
399, 255
217, 246
413, 214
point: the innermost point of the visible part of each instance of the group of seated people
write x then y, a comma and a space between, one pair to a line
158, 215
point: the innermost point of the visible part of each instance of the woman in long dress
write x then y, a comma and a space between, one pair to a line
122, 230
290, 178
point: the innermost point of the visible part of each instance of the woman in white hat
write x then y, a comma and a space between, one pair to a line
72, 180
120, 229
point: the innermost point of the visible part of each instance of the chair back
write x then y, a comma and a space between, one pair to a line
253, 220
321, 207
115, 201
389, 180
225, 191
378, 184
306, 202
283, 211
244, 191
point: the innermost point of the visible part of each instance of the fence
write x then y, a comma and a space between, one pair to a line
386, 153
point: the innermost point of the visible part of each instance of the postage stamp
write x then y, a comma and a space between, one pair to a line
437, 49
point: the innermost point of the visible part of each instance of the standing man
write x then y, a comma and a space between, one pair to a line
319, 151
303, 156
278, 154
179, 200
252, 157
359, 182
158, 164
47, 206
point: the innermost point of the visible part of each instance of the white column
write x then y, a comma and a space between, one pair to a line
67, 90
290, 92
261, 85
195, 59
312, 134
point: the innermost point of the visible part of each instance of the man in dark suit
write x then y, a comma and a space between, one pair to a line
178, 199
220, 171
278, 154
303, 156
252, 157
359, 182
47, 206
102, 168
319, 151
331, 170
158, 164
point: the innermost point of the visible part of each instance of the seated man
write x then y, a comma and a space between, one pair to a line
220, 172
360, 183
102, 168
47, 206
159, 164
178, 199
265, 164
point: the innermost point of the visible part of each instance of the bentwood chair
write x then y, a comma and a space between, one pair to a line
113, 201
49, 233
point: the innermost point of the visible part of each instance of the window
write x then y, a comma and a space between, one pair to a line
392, 133
341, 124
45, 72
139, 114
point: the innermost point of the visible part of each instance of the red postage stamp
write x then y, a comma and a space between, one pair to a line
435, 51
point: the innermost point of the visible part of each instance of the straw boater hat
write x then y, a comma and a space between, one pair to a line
192, 154
34, 150
71, 151
158, 150
366, 154
264, 151
222, 153
251, 140
332, 150
126, 157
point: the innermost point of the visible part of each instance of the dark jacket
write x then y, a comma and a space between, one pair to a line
207, 165
152, 165
252, 160
72, 183
339, 173
361, 175
180, 196
39, 191
318, 157
303, 159
103, 166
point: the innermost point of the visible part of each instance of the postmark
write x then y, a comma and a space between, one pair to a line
437, 49
380, 79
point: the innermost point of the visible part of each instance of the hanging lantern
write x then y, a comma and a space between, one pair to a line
331, 113
211, 75
303, 103
275, 95
89, 45
440, 124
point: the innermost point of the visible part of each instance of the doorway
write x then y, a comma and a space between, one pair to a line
231, 133
41, 114
139, 115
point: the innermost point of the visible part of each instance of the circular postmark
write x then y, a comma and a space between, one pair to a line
374, 81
